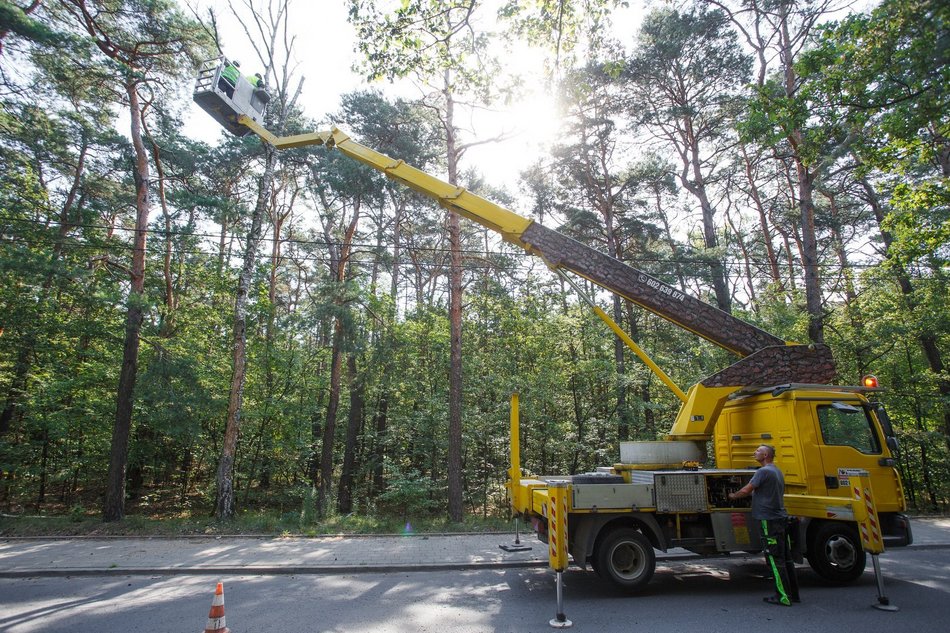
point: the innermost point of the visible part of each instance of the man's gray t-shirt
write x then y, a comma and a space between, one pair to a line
767, 500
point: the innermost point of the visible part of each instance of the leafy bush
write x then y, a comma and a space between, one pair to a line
410, 494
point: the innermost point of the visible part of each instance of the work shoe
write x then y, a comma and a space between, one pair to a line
776, 600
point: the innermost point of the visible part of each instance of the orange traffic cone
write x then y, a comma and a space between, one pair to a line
216, 622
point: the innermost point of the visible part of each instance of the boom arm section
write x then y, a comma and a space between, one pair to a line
779, 361
509, 224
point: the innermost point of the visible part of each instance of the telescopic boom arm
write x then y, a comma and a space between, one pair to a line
558, 250
765, 359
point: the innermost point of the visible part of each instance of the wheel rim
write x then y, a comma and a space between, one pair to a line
627, 560
840, 552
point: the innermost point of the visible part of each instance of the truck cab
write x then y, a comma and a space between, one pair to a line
819, 433
823, 435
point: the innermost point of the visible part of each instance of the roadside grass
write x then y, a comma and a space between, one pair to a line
165, 512
246, 523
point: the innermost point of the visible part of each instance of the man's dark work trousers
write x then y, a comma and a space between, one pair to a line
778, 557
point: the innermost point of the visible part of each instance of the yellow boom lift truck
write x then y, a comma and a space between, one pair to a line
657, 496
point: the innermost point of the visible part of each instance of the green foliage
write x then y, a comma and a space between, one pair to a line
563, 27
411, 494
883, 78
14, 19
887, 72
771, 115
425, 38
63, 256
308, 509
920, 221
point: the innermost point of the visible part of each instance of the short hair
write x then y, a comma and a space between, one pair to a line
770, 450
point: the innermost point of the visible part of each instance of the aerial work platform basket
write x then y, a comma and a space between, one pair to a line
225, 101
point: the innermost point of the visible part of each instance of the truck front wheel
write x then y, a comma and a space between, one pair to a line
835, 552
625, 557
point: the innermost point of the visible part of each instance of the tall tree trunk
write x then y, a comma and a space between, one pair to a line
268, 22
223, 249
170, 303
380, 424
113, 508
648, 429
789, 254
44, 469
316, 432
340, 259
806, 183
454, 468
624, 421
399, 204
354, 422
756, 196
711, 242
454, 471
809, 251
746, 261
695, 182
224, 503
278, 215
329, 422
620, 369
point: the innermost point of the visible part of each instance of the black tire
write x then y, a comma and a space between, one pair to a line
626, 559
835, 552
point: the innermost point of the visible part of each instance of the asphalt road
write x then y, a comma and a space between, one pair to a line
689, 595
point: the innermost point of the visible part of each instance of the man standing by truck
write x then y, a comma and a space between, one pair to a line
767, 488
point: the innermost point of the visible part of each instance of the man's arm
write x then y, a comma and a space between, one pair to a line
749, 488
742, 492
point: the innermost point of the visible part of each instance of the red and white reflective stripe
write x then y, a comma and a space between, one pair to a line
875, 532
216, 620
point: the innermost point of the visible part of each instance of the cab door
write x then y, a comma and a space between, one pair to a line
849, 439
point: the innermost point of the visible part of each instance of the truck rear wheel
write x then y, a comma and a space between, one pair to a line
835, 552
625, 557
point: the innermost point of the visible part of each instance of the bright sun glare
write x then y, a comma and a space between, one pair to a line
537, 118
525, 131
